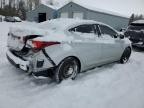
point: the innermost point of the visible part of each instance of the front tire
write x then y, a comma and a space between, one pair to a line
67, 69
126, 55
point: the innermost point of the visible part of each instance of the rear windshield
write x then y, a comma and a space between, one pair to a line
136, 27
48, 26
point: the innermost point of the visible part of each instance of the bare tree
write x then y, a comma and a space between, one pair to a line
131, 19
36, 2
1, 2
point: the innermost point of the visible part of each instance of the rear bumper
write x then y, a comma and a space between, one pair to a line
38, 68
18, 62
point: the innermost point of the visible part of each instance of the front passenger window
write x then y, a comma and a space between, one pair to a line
106, 31
86, 31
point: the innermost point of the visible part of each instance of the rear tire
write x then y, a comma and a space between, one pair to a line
126, 55
67, 69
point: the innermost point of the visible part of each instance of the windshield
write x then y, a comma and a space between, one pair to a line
50, 26
17, 18
136, 27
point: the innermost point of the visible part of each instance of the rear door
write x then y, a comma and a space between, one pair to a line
87, 49
111, 45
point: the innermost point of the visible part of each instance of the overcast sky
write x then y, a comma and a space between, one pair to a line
124, 7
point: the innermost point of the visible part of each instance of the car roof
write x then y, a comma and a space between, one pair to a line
138, 22
64, 23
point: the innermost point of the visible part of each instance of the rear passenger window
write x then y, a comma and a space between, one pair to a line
107, 31
83, 29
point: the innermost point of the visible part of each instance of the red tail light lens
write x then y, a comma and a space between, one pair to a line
40, 44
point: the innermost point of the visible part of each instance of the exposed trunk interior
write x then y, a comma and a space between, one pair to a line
23, 50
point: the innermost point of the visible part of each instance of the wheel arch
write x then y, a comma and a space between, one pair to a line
126, 48
76, 58
129, 47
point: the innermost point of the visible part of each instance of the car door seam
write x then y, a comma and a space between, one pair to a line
48, 57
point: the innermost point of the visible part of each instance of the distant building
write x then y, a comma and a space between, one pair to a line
42, 13
77, 10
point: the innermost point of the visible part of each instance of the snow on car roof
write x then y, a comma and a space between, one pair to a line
138, 22
64, 23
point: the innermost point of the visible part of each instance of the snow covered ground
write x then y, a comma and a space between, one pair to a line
111, 86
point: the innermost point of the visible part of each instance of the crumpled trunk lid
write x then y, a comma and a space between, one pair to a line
14, 42
18, 36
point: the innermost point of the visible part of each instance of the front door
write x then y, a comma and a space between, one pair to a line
110, 44
87, 48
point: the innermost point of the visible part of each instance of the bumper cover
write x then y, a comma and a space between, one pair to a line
25, 65
17, 61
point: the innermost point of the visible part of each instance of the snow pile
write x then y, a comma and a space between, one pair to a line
26, 30
53, 36
50, 30
63, 23
111, 86
1, 18
53, 30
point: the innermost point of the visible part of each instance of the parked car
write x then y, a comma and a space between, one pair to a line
17, 19
9, 19
64, 47
12, 19
135, 32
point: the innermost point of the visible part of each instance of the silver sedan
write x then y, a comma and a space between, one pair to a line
62, 48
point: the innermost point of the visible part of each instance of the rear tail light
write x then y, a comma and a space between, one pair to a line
40, 44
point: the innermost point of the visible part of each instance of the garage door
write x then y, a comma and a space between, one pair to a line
78, 15
64, 15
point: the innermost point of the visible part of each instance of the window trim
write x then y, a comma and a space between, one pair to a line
95, 30
107, 27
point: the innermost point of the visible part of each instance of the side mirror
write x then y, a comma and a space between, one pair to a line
122, 29
116, 36
121, 36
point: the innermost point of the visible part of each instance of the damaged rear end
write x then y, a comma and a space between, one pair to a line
27, 53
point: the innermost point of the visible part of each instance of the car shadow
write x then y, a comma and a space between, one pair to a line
84, 75
29, 79
81, 76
